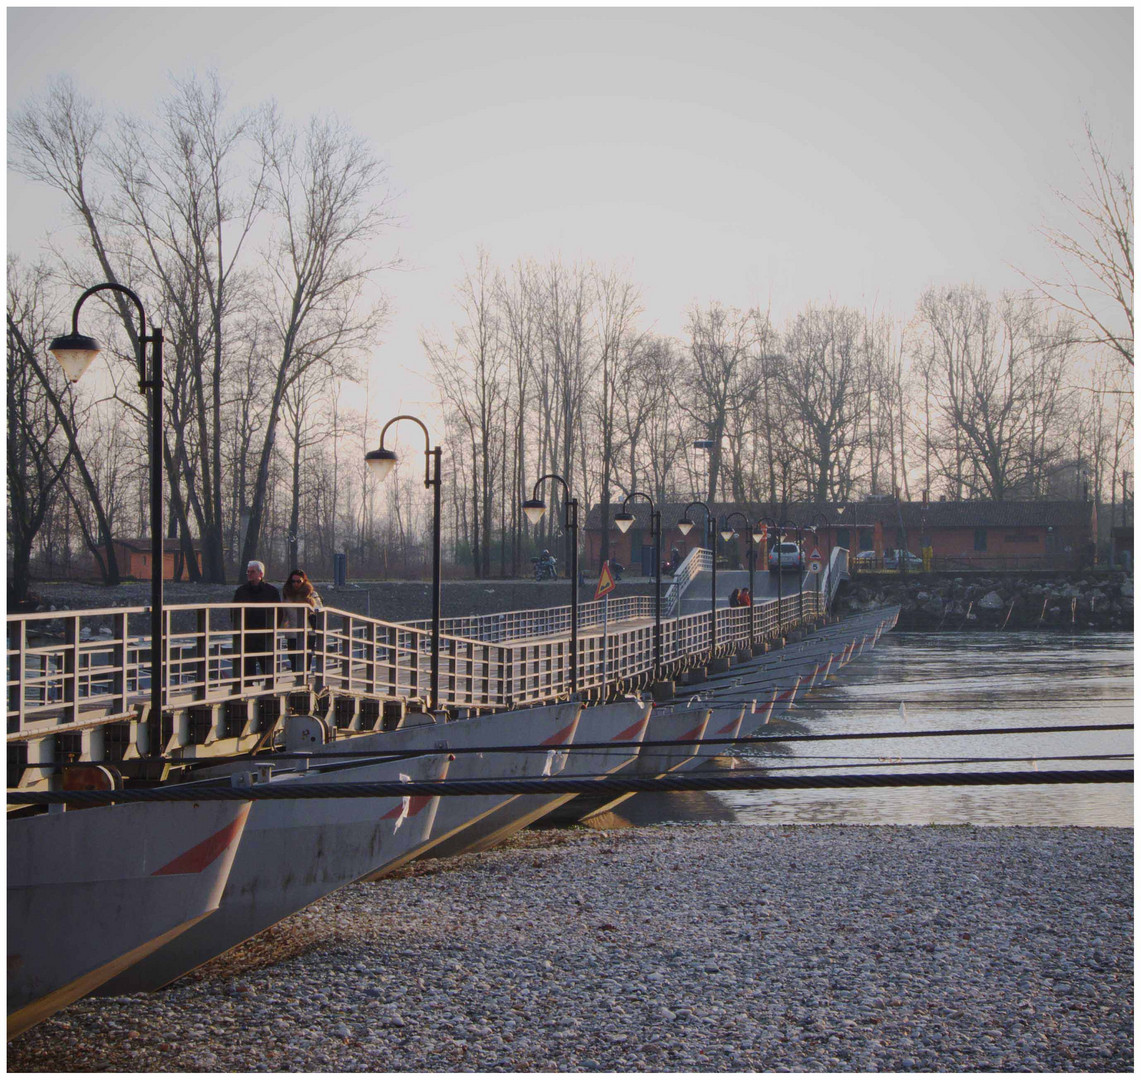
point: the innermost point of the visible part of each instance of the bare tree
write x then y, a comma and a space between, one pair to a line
323, 188
37, 453
1096, 253
177, 196
820, 379
471, 377
995, 372
617, 306
721, 347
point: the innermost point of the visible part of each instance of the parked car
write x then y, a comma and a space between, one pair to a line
865, 560
785, 556
899, 559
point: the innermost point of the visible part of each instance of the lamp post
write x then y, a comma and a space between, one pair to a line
769, 523
755, 535
790, 525
382, 462
821, 522
624, 519
75, 352
683, 527
535, 508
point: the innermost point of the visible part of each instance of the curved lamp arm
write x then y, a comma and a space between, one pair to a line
76, 351
624, 519
535, 508
383, 461
685, 524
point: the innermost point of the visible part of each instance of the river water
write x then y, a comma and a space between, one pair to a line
933, 682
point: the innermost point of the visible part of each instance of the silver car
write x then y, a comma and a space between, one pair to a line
898, 559
785, 556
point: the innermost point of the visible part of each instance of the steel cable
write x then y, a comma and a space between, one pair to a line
558, 786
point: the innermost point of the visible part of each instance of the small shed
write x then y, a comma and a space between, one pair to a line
134, 557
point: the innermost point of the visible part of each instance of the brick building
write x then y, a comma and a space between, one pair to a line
968, 535
134, 558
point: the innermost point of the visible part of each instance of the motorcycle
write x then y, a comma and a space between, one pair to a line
544, 568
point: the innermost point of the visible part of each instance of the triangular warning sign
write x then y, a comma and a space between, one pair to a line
815, 554
605, 582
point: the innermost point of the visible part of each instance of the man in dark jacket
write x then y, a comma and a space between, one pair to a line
257, 648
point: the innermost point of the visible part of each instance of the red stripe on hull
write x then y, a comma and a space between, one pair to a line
202, 855
631, 732
560, 737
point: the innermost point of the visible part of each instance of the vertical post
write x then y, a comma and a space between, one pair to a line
752, 594
157, 643
657, 523
780, 586
572, 525
800, 546
713, 584
435, 687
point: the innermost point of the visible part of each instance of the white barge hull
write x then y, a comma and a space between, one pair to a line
93, 891
294, 852
553, 726
620, 722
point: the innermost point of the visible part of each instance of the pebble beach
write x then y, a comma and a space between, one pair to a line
687, 948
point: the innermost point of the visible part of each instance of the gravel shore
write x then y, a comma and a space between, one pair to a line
695, 948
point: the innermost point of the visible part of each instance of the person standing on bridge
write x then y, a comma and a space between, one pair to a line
298, 590
257, 648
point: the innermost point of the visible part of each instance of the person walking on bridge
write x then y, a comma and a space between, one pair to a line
298, 590
257, 648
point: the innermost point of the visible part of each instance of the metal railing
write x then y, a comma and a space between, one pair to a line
868, 563
539, 622
68, 671
694, 563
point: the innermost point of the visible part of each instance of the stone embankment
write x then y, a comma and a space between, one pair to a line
696, 949
1072, 603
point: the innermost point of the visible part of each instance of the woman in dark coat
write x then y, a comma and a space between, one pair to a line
298, 589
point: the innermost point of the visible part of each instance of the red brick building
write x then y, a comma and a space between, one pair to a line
970, 535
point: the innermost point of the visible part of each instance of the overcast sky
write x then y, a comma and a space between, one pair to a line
771, 156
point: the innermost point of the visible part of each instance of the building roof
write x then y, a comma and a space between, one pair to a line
967, 514
143, 544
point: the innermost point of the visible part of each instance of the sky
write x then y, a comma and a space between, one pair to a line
771, 156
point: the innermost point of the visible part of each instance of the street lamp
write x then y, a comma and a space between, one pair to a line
683, 527
75, 352
755, 536
769, 523
624, 519
535, 508
800, 547
381, 462
821, 522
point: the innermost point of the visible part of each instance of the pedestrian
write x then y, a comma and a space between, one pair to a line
745, 598
298, 590
255, 648
733, 597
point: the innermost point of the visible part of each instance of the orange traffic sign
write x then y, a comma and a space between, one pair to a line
606, 582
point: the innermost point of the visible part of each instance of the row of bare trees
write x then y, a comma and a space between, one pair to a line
255, 241
551, 369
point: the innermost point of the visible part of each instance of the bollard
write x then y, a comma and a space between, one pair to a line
663, 690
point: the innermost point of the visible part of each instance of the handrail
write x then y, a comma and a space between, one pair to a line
72, 671
696, 561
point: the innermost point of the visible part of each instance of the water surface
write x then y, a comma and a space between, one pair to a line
915, 682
